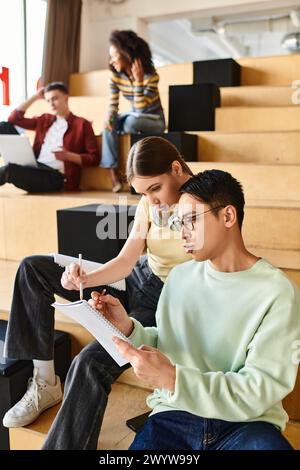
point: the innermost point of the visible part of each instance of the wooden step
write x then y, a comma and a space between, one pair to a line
256, 96
34, 216
175, 74
215, 146
272, 70
256, 119
96, 83
8, 271
272, 225
260, 181
292, 433
94, 108
288, 260
294, 275
250, 147
265, 71
124, 402
268, 148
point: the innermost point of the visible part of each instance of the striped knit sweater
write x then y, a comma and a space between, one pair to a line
144, 96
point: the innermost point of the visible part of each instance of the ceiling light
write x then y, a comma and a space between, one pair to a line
291, 42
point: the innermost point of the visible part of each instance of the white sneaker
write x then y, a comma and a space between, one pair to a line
117, 188
39, 396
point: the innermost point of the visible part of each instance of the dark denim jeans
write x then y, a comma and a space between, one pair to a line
30, 335
38, 179
179, 430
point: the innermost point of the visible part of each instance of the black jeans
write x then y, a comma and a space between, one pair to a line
34, 180
7, 128
30, 336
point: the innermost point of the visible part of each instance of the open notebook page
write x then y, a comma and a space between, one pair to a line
96, 324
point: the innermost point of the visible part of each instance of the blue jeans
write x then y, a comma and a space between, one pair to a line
179, 430
126, 124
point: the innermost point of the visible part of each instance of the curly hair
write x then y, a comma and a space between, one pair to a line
131, 47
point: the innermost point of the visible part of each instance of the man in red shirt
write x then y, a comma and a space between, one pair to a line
63, 144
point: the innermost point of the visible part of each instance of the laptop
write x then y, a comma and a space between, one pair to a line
17, 149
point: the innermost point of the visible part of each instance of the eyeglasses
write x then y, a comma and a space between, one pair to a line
177, 223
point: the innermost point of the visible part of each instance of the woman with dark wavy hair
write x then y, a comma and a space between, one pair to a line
133, 74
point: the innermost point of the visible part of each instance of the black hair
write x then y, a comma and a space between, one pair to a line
56, 86
217, 188
131, 47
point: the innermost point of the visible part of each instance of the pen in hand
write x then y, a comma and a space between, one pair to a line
80, 274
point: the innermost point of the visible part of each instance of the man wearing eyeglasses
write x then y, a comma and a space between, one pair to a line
220, 360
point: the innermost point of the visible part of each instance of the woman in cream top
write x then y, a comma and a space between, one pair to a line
156, 170
163, 246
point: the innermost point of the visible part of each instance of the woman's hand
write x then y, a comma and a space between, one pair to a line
109, 122
137, 70
71, 279
113, 310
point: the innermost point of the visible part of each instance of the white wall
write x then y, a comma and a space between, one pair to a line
94, 38
99, 17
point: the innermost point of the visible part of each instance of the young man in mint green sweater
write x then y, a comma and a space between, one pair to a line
222, 356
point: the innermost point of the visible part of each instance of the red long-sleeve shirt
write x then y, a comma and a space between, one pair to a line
79, 138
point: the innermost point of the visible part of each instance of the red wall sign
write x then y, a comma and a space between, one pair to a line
4, 77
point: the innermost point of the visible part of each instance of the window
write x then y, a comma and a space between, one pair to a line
22, 25
35, 27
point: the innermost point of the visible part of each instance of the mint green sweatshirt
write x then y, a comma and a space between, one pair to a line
231, 337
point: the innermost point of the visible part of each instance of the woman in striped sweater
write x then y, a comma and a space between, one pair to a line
134, 75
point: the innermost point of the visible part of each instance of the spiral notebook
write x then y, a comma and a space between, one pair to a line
96, 323
87, 266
